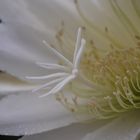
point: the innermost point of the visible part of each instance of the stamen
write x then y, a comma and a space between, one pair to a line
93, 109
137, 80
120, 101
108, 98
128, 92
102, 108
131, 80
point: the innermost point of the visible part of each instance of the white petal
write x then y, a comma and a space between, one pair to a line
15, 11
25, 114
126, 127
12, 85
21, 42
20, 50
56, 16
18, 66
72, 132
53, 12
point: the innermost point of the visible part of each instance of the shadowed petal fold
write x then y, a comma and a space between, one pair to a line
126, 127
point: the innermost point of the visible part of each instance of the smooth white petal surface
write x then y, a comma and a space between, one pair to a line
21, 40
28, 114
19, 66
72, 132
126, 127
11, 85
53, 13
20, 49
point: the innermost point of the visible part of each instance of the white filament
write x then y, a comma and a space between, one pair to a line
58, 80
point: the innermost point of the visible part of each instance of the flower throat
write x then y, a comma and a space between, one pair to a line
101, 87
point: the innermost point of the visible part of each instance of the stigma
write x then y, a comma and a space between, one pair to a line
68, 72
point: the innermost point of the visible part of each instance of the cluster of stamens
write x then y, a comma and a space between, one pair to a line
102, 84
118, 74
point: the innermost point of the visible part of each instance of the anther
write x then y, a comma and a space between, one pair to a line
107, 98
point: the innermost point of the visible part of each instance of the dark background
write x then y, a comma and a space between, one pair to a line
9, 137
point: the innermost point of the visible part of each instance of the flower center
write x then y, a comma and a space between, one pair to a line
102, 86
99, 82
116, 84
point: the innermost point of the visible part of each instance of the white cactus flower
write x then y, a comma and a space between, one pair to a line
52, 77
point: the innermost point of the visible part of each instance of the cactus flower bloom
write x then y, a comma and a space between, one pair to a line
65, 62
